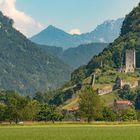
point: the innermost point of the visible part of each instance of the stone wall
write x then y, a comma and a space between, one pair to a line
120, 83
104, 90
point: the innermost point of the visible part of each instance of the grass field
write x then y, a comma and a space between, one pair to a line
70, 132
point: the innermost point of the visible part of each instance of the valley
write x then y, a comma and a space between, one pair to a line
70, 70
63, 77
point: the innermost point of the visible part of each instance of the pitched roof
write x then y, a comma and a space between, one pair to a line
123, 102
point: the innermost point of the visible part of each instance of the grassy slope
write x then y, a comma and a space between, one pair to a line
71, 132
72, 103
104, 79
106, 100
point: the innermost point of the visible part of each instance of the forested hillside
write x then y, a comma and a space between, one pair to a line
113, 55
25, 66
75, 57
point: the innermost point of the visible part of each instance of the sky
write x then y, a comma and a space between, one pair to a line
73, 16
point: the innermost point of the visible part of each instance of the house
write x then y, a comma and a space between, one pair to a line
120, 105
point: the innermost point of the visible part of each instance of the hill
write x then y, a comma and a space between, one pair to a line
113, 55
25, 66
75, 57
52, 36
106, 64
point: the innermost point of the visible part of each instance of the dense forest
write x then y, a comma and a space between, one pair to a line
25, 66
75, 57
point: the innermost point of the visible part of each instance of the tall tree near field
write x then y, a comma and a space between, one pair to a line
31, 110
89, 104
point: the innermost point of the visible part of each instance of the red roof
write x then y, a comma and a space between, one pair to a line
123, 102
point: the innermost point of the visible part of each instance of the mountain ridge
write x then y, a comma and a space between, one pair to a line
77, 56
105, 32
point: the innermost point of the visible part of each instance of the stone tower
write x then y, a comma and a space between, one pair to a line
130, 60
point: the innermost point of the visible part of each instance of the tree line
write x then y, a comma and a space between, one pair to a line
16, 108
92, 108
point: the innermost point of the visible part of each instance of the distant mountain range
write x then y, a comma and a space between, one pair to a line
25, 66
52, 36
75, 57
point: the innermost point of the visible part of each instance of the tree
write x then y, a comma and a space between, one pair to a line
89, 104
126, 93
137, 101
78, 75
54, 114
43, 113
31, 110
108, 114
49, 113
129, 115
39, 96
15, 105
118, 58
2, 112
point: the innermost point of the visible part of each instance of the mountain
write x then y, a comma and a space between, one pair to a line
52, 36
106, 32
25, 66
78, 56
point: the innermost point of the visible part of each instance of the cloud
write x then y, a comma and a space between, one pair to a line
22, 22
102, 40
75, 31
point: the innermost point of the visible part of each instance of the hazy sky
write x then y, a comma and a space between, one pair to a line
70, 15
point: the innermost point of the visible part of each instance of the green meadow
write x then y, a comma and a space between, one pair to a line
70, 132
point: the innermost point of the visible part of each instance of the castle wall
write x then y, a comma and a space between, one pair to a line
132, 85
103, 91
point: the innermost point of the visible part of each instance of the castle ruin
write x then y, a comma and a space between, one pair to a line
130, 60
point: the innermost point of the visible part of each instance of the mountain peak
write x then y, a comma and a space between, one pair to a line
52, 30
51, 27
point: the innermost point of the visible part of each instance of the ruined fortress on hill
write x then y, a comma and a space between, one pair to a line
130, 61
130, 66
